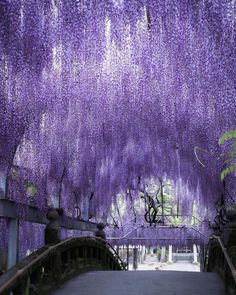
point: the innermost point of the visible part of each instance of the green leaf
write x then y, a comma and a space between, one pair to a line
226, 171
228, 135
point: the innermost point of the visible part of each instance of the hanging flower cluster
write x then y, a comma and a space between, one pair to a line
98, 94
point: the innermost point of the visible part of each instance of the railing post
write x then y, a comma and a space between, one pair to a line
203, 253
211, 258
135, 258
3, 261
85, 255
127, 256
57, 269
229, 230
100, 233
36, 279
118, 249
52, 230
23, 288
229, 240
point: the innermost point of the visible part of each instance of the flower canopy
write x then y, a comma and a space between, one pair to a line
98, 97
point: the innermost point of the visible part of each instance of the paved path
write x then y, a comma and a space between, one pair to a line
151, 263
181, 266
178, 266
143, 283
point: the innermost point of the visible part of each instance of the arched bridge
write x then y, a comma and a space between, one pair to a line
47, 268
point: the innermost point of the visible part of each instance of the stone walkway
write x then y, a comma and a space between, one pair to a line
151, 263
180, 266
143, 283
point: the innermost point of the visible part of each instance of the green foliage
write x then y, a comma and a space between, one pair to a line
175, 221
158, 253
228, 135
230, 156
31, 190
226, 171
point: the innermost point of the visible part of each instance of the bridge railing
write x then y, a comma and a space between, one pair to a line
222, 260
14, 212
48, 267
221, 251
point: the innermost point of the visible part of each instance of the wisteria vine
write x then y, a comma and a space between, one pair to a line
96, 95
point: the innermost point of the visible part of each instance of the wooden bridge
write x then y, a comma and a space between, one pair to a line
86, 265
47, 268
50, 267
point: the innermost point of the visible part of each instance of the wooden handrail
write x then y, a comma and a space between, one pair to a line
10, 280
113, 250
227, 258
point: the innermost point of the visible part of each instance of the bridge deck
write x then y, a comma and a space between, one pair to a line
143, 283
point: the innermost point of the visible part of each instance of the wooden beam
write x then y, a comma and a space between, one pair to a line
11, 209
